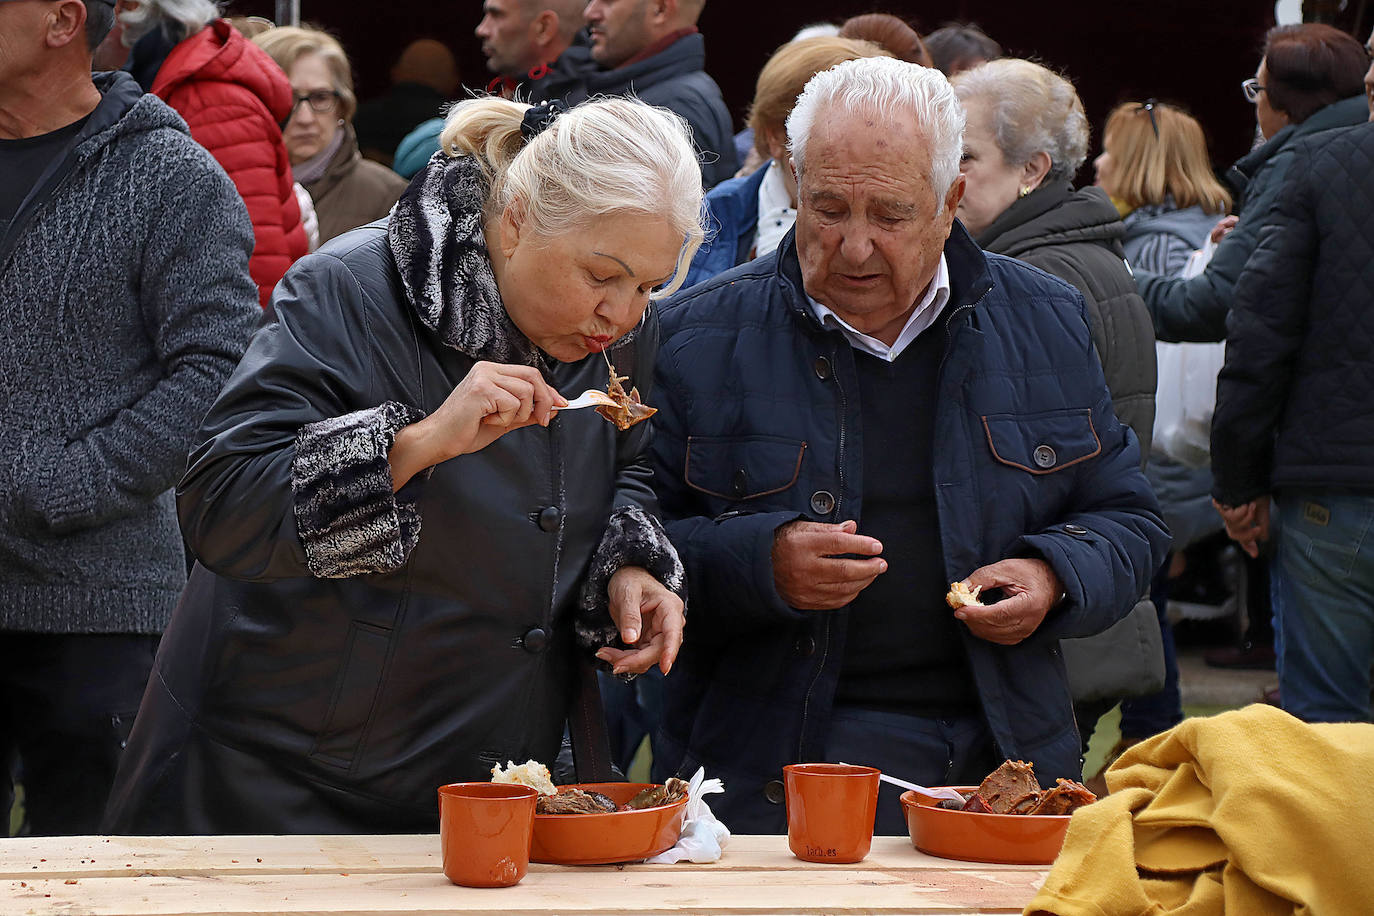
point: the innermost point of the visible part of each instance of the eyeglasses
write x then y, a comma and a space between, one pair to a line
321, 101
1149, 108
1252, 89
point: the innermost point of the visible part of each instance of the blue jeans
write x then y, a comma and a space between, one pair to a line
929, 752
1322, 583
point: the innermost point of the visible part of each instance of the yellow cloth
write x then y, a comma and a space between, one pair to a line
1251, 813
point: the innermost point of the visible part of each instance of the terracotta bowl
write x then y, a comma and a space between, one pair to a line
603, 839
1007, 839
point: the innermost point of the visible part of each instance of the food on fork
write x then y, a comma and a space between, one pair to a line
625, 410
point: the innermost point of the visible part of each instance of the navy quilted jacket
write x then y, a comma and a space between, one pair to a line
759, 424
1293, 406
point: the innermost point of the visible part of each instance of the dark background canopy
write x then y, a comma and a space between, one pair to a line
1192, 53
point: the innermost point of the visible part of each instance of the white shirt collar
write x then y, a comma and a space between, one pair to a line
922, 317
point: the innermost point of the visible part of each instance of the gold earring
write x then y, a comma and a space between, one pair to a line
1025, 191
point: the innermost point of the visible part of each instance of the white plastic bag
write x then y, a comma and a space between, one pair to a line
703, 837
1187, 391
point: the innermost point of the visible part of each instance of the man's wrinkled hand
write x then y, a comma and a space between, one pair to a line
1031, 589
1247, 524
811, 571
650, 619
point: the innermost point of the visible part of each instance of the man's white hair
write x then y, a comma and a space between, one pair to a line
178, 18
891, 90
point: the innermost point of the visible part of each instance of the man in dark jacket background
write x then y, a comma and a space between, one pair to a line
650, 48
1293, 420
127, 302
848, 425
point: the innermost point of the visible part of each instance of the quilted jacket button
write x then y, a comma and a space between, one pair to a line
1077, 531
822, 502
549, 519
535, 641
822, 368
805, 646
1045, 456
774, 792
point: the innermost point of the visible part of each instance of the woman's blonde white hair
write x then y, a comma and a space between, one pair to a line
1033, 110
178, 18
891, 90
610, 155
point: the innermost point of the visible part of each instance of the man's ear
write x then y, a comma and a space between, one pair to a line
662, 12
544, 28
68, 24
955, 194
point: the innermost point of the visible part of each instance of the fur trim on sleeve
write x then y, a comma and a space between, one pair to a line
632, 538
348, 519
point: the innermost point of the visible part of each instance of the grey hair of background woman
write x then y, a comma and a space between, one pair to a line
178, 18
1034, 110
890, 89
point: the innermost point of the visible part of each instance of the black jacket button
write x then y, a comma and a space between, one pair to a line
805, 646
549, 519
1077, 531
535, 641
822, 502
822, 368
774, 792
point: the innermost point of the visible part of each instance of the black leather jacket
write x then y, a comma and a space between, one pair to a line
340, 654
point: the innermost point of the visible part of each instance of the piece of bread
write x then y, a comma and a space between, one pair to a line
531, 773
961, 595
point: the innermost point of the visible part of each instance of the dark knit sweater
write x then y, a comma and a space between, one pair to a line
126, 300
902, 649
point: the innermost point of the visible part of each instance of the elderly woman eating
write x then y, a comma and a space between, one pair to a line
408, 552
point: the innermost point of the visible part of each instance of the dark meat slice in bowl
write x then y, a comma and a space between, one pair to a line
1009, 785
1065, 798
574, 801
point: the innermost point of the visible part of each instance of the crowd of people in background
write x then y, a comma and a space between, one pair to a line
310, 352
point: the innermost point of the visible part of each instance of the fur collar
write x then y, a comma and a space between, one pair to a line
436, 237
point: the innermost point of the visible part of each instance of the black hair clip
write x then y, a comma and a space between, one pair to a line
538, 118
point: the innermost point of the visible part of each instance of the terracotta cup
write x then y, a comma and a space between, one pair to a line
830, 810
484, 832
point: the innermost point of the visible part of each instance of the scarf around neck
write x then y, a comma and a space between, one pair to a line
436, 238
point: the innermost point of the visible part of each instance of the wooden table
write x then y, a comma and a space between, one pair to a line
124, 876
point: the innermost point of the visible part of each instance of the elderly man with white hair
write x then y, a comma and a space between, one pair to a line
852, 423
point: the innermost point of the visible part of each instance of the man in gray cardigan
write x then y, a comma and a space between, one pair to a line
126, 302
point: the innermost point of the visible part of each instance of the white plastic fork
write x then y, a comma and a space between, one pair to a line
941, 792
589, 398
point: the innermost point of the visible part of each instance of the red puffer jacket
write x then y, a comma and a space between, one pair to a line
234, 97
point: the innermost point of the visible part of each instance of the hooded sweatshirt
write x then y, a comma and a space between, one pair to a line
124, 279
1161, 237
234, 98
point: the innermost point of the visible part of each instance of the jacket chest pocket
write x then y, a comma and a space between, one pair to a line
742, 468
1042, 443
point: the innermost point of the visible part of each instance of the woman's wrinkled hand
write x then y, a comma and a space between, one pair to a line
491, 400
650, 619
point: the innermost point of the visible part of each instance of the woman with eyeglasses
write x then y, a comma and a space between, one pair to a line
348, 190
1310, 78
